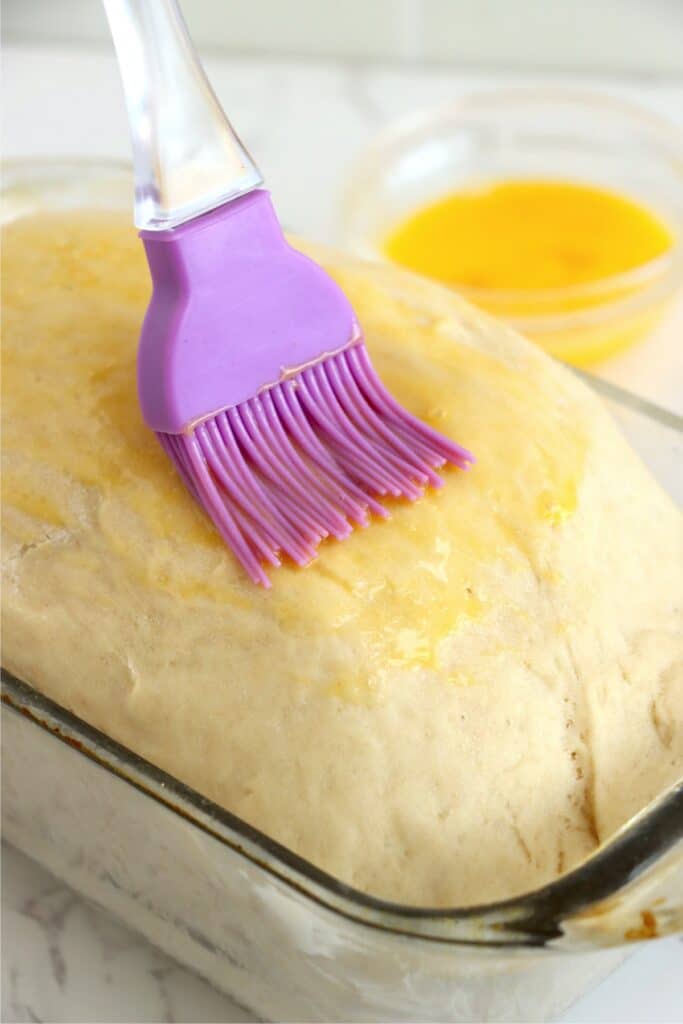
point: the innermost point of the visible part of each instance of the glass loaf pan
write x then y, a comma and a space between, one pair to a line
269, 928
287, 940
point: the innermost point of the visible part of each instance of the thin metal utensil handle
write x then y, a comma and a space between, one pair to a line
186, 155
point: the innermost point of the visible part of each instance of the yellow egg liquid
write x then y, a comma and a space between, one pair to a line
533, 239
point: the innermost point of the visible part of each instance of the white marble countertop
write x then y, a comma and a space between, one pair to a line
65, 960
62, 960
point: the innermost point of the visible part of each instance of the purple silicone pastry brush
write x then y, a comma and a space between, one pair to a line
252, 368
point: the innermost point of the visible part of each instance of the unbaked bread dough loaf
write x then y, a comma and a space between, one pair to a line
453, 706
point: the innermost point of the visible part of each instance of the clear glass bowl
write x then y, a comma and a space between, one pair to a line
271, 929
550, 134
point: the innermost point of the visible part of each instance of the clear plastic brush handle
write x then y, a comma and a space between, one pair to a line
187, 157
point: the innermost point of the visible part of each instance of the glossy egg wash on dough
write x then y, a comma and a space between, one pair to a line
387, 599
509, 245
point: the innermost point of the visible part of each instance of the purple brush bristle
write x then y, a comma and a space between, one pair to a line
253, 374
306, 459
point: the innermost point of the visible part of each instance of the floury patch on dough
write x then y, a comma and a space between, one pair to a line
451, 707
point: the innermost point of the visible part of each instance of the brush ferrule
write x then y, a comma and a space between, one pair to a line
233, 305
